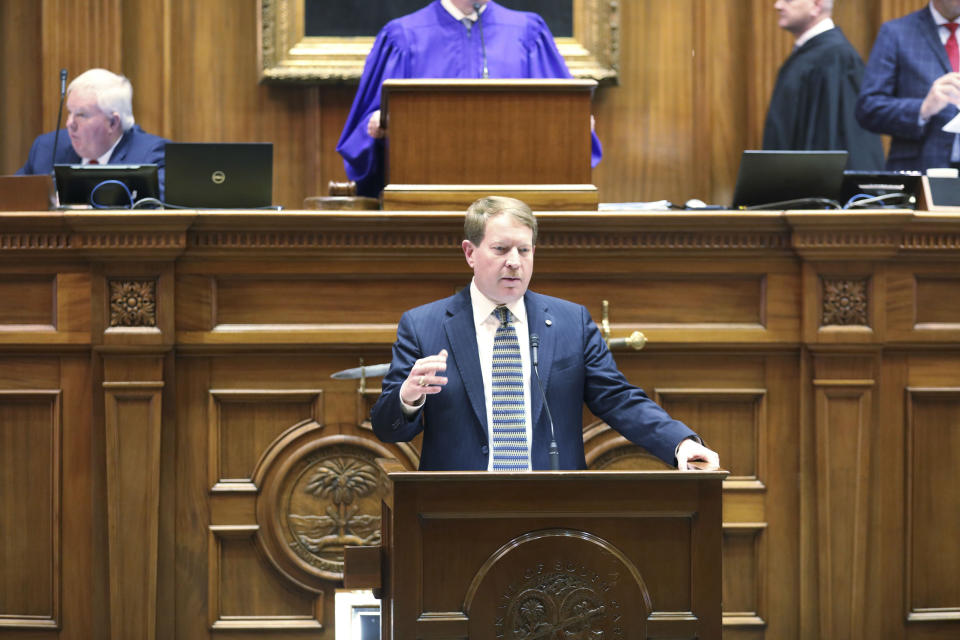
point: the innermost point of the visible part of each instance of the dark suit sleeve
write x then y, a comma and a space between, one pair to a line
158, 153
389, 422
154, 151
29, 168
624, 406
880, 108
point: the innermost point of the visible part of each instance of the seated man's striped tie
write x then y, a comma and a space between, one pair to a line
509, 447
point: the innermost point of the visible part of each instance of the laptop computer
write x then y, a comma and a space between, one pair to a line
105, 186
772, 177
219, 175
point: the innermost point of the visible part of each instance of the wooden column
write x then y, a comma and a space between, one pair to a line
132, 388
132, 313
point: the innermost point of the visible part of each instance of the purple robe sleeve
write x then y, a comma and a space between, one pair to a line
362, 154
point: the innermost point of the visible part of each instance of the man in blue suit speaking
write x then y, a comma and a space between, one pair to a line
460, 376
911, 87
100, 129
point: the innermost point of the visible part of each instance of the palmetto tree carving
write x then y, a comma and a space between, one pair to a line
342, 481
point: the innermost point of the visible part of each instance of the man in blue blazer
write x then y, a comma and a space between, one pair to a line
910, 91
100, 128
440, 376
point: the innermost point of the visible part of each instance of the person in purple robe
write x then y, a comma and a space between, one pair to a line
442, 40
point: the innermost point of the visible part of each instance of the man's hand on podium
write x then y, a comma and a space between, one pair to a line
693, 456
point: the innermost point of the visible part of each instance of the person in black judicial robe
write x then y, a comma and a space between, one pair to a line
814, 100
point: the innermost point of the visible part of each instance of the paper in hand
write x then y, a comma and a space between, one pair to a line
953, 126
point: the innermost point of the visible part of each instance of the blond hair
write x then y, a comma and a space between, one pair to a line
478, 213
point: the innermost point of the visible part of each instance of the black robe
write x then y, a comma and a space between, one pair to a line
813, 103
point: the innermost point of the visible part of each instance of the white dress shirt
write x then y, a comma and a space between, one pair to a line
105, 158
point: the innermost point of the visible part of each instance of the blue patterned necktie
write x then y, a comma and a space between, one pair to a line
509, 446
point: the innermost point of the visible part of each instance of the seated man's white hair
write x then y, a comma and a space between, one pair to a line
114, 93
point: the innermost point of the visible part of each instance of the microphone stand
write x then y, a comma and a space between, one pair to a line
56, 135
553, 451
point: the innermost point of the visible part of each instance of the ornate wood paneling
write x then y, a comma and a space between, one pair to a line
30, 457
922, 305
36, 296
207, 445
844, 404
933, 505
46, 505
133, 390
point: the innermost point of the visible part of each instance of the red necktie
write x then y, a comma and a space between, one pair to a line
953, 51
98, 162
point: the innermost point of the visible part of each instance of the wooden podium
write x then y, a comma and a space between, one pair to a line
611, 554
451, 141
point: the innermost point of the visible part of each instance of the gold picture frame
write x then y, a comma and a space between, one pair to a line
288, 55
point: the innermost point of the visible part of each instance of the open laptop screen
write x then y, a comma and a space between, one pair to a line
219, 175
106, 185
789, 177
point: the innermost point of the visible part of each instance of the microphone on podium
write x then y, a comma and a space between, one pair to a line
56, 135
553, 451
483, 47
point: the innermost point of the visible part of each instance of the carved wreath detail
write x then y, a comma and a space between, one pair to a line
559, 606
133, 303
844, 302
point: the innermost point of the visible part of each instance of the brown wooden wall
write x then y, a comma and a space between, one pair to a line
166, 399
695, 78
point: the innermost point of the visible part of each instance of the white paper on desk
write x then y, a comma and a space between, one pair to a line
953, 126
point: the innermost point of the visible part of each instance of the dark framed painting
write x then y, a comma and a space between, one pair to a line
328, 40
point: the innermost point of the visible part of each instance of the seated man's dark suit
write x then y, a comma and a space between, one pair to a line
135, 147
907, 57
575, 368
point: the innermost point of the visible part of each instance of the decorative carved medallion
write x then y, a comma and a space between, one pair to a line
844, 302
133, 303
318, 495
332, 504
557, 602
558, 583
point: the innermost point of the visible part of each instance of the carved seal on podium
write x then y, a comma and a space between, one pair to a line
558, 583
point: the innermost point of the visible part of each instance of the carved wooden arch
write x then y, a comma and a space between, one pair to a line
605, 448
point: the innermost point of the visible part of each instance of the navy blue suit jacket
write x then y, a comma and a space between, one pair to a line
575, 368
135, 147
906, 58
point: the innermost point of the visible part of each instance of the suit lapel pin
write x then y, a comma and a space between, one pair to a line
548, 322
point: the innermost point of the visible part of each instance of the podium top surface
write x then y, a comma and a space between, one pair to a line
479, 84
552, 476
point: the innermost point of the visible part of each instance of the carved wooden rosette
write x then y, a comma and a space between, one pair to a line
317, 496
133, 303
845, 301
